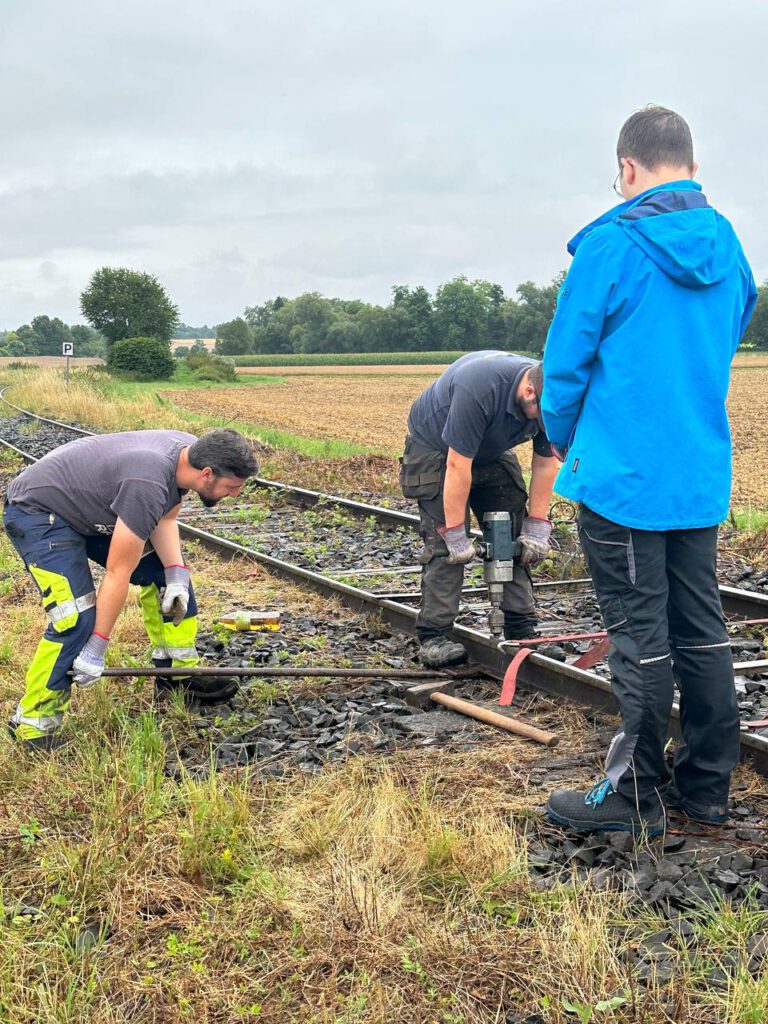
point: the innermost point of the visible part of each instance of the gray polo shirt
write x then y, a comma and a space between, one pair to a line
94, 481
471, 408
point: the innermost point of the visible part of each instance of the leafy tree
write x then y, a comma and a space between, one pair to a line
527, 319
417, 305
29, 340
259, 316
383, 329
51, 334
461, 314
10, 345
190, 333
496, 327
123, 303
142, 358
756, 334
87, 341
234, 338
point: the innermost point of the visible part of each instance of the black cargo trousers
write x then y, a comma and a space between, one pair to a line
660, 603
496, 487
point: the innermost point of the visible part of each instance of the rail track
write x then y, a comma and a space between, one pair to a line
394, 547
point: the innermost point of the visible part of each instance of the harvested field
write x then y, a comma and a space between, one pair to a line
370, 409
396, 369
748, 410
411, 369
51, 360
367, 410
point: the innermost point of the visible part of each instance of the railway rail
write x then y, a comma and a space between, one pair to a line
538, 671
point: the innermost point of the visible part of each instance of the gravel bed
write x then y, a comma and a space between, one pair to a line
680, 877
33, 436
287, 726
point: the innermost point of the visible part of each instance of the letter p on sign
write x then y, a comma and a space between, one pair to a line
67, 348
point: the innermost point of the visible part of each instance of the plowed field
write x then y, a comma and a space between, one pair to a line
372, 410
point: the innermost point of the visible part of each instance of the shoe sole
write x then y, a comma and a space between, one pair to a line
204, 698
607, 826
721, 819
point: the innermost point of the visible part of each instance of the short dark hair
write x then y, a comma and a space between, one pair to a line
655, 136
224, 451
536, 379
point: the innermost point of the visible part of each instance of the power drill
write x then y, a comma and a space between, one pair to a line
498, 551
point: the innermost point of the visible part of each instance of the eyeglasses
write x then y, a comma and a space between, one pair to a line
617, 184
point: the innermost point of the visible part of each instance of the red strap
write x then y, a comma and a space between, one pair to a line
596, 653
510, 677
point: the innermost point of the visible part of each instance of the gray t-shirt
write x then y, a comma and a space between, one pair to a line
471, 408
94, 481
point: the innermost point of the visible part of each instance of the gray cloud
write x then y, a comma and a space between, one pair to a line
241, 151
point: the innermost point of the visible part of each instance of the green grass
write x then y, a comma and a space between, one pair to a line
749, 519
182, 378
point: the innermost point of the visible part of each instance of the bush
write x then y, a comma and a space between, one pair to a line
182, 350
142, 358
210, 367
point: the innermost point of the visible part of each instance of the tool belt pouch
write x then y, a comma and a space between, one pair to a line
422, 471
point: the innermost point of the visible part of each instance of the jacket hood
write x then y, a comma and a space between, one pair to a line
675, 227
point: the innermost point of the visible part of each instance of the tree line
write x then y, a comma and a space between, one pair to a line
44, 337
462, 315
122, 304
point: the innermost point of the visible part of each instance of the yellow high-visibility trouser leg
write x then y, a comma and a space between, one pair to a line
176, 643
46, 697
41, 710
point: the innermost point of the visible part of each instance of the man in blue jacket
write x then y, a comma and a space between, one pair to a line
636, 371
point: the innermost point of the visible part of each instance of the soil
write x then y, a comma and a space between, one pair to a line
384, 369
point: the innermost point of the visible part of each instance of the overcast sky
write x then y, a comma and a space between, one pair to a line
240, 150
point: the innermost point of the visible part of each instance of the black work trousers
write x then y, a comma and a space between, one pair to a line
660, 603
496, 487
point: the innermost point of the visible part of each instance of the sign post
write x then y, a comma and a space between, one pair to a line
67, 349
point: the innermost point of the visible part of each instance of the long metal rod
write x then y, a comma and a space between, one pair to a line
269, 672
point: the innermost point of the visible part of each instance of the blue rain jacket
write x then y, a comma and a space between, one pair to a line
637, 361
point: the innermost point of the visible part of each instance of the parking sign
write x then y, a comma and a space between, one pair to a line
67, 348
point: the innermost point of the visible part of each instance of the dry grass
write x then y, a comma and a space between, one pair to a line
88, 401
50, 361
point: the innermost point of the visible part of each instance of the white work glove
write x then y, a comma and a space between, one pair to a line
89, 664
460, 548
176, 593
534, 541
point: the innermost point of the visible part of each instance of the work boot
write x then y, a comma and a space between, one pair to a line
441, 651
712, 814
207, 689
598, 811
42, 744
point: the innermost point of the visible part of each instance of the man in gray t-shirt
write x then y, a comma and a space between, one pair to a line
102, 498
